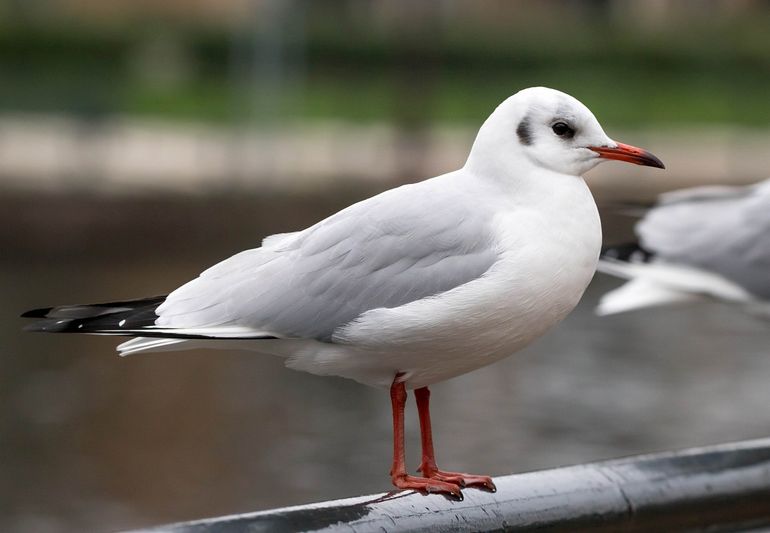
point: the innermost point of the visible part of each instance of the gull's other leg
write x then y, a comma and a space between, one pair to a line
428, 466
398, 472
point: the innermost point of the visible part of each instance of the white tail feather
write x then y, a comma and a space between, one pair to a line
150, 344
146, 344
159, 344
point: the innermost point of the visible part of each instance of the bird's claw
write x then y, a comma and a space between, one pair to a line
460, 479
428, 485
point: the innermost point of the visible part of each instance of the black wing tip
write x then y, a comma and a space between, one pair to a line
49, 325
58, 325
125, 318
630, 251
95, 318
41, 312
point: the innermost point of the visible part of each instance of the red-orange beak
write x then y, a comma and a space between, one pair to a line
629, 154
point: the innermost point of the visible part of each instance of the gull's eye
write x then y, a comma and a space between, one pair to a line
562, 129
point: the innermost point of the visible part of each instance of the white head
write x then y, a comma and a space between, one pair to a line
548, 129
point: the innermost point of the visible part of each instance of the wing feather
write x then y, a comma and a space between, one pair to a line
397, 247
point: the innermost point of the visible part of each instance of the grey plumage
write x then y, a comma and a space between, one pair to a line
384, 252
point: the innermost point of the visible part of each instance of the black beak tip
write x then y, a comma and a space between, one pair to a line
655, 162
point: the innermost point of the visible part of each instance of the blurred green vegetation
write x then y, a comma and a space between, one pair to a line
706, 71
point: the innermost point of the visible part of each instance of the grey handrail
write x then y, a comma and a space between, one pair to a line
722, 488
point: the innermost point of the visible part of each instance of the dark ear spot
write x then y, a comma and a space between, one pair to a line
524, 131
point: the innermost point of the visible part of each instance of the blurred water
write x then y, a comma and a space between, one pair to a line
92, 441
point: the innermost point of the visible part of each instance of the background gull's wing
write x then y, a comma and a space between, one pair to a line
400, 246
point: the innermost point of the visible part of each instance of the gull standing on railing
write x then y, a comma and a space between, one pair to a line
410, 287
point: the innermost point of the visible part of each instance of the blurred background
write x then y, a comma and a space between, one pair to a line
142, 141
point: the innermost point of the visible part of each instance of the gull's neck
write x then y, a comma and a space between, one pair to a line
515, 173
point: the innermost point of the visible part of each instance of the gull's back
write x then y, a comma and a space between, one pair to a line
308, 284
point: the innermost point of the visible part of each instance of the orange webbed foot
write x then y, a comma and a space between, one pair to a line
428, 485
459, 478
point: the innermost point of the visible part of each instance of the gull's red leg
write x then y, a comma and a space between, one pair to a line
428, 466
398, 472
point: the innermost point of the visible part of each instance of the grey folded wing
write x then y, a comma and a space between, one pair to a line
400, 246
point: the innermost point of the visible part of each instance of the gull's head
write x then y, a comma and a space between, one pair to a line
552, 130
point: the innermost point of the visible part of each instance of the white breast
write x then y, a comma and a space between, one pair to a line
548, 254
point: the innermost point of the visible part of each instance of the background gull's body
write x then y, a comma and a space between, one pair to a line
699, 243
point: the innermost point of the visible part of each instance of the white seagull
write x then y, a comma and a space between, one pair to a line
696, 244
413, 286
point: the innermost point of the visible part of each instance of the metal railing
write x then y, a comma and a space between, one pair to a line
718, 488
